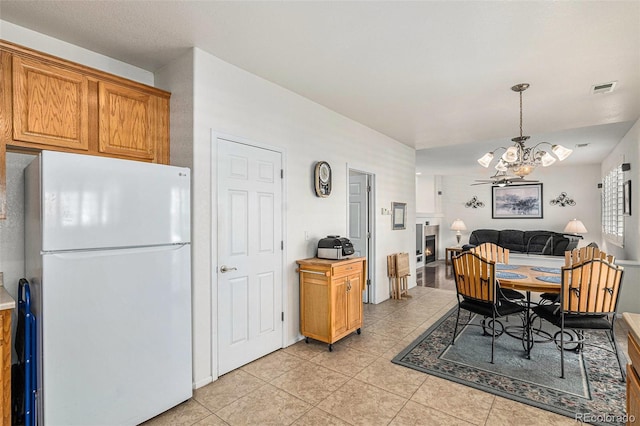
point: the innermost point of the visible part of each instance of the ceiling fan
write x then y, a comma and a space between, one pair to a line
502, 179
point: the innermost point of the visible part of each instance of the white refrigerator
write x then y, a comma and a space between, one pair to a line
107, 245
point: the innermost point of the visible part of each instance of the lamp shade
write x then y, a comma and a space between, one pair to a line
501, 166
458, 225
510, 155
486, 159
575, 227
547, 159
561, 152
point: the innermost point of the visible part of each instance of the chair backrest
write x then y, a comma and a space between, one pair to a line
591, 287
475, 277
581, 254
492, 252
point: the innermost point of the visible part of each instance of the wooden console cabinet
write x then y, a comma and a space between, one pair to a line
633, 368
331, 298
50, 103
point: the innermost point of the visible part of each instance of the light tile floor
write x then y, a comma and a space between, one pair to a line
356, 384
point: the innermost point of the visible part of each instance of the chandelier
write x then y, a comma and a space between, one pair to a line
520, 160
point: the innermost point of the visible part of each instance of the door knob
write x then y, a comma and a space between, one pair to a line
224, 269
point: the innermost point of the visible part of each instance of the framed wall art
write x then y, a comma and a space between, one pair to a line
517, 202
626, 205
399, 215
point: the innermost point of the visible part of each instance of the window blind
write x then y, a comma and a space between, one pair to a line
612, 199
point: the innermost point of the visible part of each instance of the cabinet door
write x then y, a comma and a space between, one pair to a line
354, 301
339, 306
126, 124
633, 393
50, 105
5, 368
5, 125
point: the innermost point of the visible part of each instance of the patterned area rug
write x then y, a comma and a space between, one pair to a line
591, 391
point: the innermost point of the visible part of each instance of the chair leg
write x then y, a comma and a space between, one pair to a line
455, 330
612, 338
562, 347
493, 335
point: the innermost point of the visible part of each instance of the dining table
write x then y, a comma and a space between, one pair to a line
528, 278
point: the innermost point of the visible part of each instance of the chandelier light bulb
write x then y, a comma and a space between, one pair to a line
561, 152
486, 159
523, 170
547, 159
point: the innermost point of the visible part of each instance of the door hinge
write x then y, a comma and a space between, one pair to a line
282, 316
281, 173
368, 188
282, 245
368, 234
368, 281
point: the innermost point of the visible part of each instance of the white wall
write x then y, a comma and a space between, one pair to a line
43, 43
231, 101
629, 151
12, 228
426, 194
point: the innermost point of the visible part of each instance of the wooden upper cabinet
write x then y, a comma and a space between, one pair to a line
126, 120
50, 105
64, 106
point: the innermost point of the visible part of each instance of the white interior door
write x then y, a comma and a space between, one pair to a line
360, 222
358, 229
249, 253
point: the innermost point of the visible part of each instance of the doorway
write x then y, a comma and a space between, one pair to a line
360, 223
249, 266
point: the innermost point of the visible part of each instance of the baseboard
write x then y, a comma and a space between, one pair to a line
203, 382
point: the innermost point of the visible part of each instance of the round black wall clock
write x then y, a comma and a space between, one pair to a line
323, 179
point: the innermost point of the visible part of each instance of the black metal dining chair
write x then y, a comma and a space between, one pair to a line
588, 301
478, 292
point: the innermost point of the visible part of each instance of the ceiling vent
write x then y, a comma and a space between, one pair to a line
603, 88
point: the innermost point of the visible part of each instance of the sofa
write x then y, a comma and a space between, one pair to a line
531, 242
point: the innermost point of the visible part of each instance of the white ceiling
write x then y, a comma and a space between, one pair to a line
429, 74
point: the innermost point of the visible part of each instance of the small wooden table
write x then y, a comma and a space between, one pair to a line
530, 282
448, 254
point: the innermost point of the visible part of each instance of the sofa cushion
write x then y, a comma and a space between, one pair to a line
546, 242
539, 242
513, 240
480, 236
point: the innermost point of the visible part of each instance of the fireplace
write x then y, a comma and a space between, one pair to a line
429, 248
